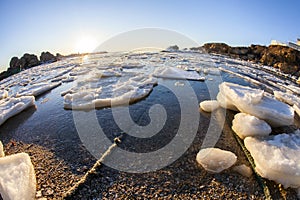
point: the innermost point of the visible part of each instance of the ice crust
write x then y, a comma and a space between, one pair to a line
209, 105
277, 157
254, 102
17, 177
245, 125
13, 106
215, 160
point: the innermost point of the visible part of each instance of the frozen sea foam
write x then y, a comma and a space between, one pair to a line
277, 157
254, 102
37, 89
13, 106
215, 160
245, 125
176, 73
17, 177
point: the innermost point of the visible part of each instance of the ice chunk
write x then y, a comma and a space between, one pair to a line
243, 170
225, 103
175, 73
215, 160
17, 177
209, 105
3, 94
254, 102
37, 89
245, 125
1, 150
12, 106
277, 157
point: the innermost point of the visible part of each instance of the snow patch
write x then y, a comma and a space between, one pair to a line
17, 177
215, 160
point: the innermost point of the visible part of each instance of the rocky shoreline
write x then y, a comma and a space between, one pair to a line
286, 59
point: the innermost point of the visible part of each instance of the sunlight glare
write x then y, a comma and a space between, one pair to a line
85, 45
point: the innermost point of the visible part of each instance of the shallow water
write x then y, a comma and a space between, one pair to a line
50, 125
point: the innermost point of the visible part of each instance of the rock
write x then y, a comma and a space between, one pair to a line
209, 105
220, 48
172, 48
28, 61
245, 125
14, 63
17, 177
243, 170
215, 160
47, 57
239, 50
277, 157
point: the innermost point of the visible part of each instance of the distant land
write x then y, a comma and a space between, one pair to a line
283, 57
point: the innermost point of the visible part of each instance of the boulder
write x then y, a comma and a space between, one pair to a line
29, 60
47, 57
220, 48
14, 63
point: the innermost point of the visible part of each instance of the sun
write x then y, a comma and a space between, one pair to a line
86, 44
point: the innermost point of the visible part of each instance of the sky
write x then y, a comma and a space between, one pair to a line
71, 26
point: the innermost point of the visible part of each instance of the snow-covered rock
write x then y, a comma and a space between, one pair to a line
176, 73
13, 106
245, 125
277, 157
3, 94
254, 102
209, 105
215, 159
17, 177
1, 150
37, 89
243, 170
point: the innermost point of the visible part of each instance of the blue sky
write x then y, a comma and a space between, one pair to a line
64, 25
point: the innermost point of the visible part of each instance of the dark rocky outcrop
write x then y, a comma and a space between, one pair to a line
47, 57
25, 62
283, 57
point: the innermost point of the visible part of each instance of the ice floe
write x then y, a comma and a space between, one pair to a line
3, 94
135, 89
12, 106
17, 177
209, 105
245, 125
254, 102
277, 157
287, 98
176, 73
37, 89
215, 160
